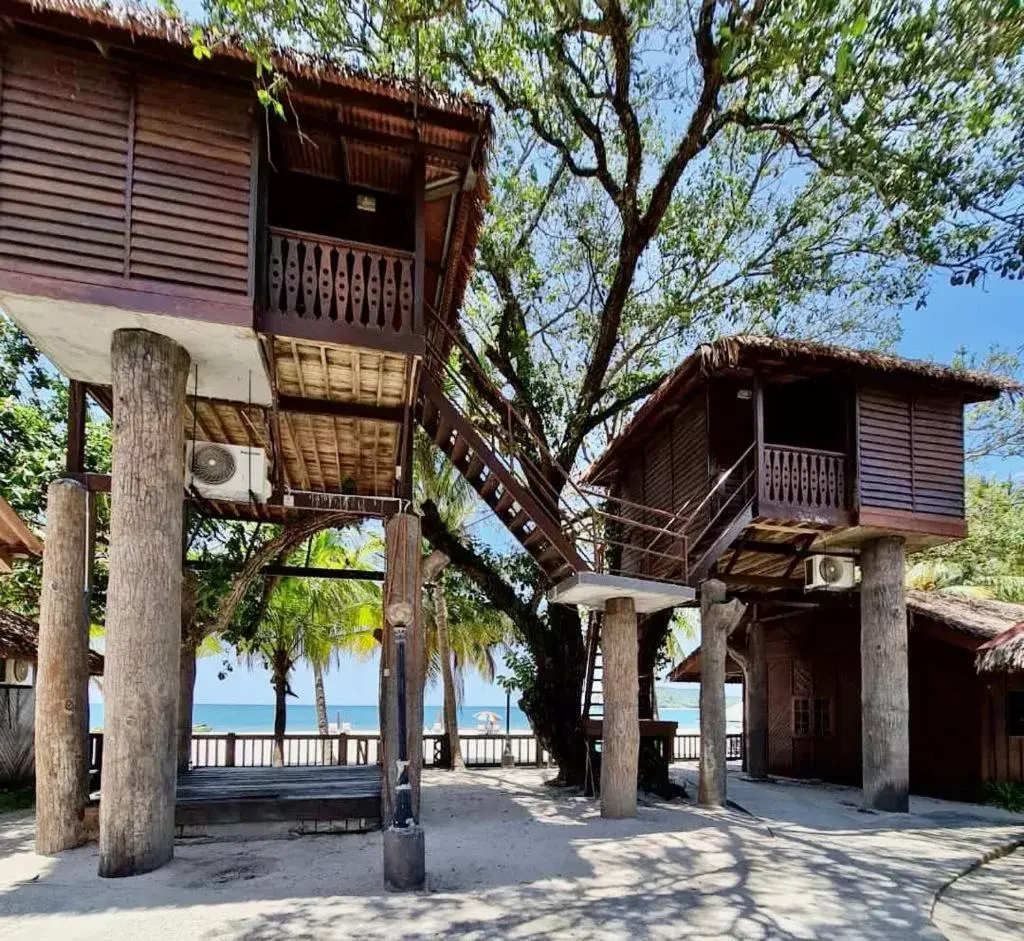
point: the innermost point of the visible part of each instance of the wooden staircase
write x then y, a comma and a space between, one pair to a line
499, 484
593, 688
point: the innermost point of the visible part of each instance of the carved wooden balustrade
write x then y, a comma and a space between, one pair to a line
803, 481
329, 289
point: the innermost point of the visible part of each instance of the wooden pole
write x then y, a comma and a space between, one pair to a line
402, 608
717, 619
757, 702
620, 739
62, 674
143, 640
187, 669
885, 701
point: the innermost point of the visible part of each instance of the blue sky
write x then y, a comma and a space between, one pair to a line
975, 318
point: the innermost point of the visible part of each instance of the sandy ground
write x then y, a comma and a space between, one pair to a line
509, 858
976, 907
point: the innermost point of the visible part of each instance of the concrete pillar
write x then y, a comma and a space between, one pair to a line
717, 620
62, 674
757, 702
620, 739
143, 637
402, 651
885, 701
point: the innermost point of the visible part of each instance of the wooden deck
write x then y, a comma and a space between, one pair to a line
259, 795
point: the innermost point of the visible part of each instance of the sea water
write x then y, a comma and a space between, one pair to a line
302, 718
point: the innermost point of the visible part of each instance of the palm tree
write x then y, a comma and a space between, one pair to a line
460, 631
310, 619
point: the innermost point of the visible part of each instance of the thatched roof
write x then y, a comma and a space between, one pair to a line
138, 20
978, 618
19, 640
1004, 653
747, 351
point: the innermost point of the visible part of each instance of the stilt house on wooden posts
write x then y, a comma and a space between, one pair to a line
966, 724
307, 271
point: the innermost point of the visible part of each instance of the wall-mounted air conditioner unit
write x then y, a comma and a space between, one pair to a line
16, 672
832, 573
227, 472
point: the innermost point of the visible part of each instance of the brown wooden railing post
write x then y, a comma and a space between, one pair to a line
342, 749
758, 400
229, 750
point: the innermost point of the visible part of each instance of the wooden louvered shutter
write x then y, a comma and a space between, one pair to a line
885, 450
938, 452
64, 120
191, 179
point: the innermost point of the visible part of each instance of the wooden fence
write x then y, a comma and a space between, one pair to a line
230, 750
17, 734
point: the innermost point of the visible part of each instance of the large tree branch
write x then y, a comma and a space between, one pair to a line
480, 572
289, 538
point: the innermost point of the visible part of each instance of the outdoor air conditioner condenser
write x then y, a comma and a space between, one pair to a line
828, 572
16, 672
226, 472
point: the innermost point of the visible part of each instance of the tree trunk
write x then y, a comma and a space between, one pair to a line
620, 741
884, 684
187, 680
62, 674
143, 637
322, 722
280, 680
717, 619
756, 689
451, 709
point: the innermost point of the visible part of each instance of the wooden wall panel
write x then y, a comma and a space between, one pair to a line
911, 453
938, 456
64, 118
885, 450
191, 182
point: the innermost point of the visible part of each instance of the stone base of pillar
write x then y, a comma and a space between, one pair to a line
405, 867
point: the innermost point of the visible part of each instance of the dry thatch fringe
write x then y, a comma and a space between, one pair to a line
19, 640
1002, 654
140, 20
981, 618
727, 353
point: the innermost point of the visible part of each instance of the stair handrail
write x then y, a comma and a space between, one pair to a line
719, 483
750, 500
537, 477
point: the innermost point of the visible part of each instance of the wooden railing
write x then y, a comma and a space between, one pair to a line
346, 289
687, 747
232, 749
803, 479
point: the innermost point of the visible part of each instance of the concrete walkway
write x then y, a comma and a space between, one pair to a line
986, 904
510, 858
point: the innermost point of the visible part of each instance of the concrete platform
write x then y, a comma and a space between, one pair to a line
594, 589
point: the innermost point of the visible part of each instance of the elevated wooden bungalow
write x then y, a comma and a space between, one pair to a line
764, 451
308, 265
966, 723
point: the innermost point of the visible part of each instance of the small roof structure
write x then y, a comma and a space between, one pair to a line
19, 640
16, 539
743, 353
688, 671
1003, 653
994, 629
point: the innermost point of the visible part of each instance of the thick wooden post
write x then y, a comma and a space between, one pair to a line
62, 674
885, 701
620, 740
717, 619
402, 608
143, 640
757, 702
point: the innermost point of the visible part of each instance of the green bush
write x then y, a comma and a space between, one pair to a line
1006, 794
16, 797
